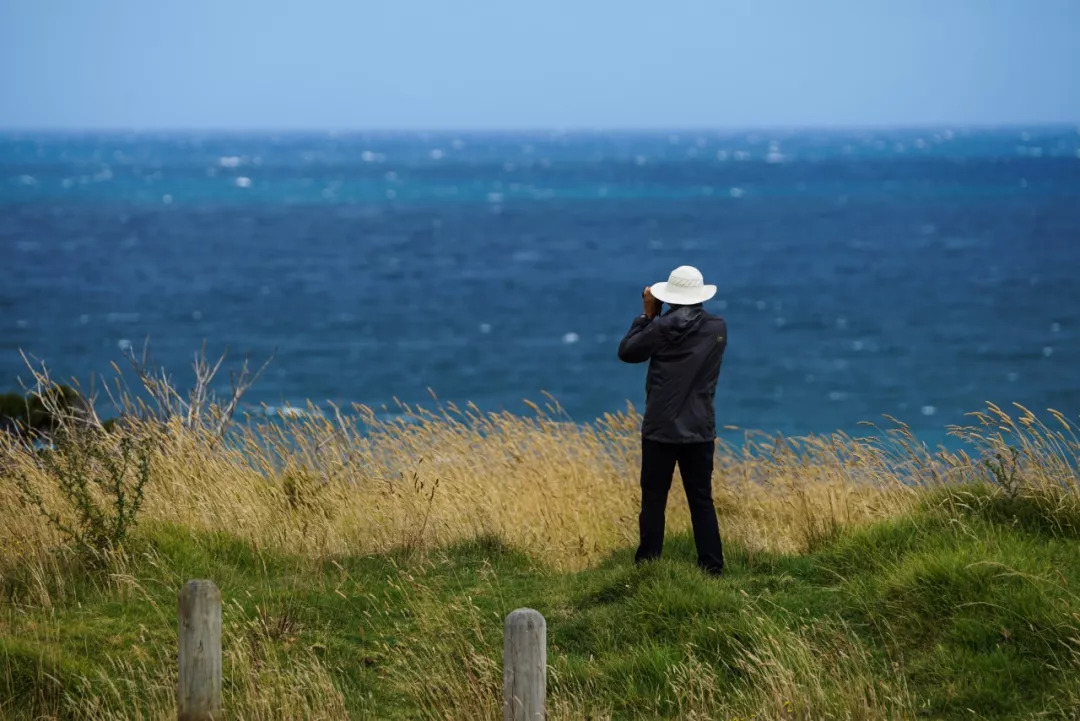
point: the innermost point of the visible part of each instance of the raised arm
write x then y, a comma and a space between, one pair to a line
642, 340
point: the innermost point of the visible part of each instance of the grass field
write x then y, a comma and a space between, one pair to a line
366, 567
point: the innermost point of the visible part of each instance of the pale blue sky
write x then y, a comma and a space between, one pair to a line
488, 64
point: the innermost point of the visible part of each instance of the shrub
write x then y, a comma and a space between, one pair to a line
92, 487
1004, 470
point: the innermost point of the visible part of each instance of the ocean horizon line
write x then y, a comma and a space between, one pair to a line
585, 130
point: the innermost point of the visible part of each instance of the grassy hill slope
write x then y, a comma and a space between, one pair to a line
366, 573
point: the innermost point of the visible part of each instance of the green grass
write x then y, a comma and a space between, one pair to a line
968, 608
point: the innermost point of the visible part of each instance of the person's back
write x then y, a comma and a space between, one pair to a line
685, 349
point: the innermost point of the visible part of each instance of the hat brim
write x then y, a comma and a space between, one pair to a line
677, 295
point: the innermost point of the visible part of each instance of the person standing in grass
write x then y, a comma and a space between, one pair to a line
684, 348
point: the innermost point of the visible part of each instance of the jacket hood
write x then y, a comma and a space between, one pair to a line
683, 321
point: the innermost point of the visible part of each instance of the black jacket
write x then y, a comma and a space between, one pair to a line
685, 348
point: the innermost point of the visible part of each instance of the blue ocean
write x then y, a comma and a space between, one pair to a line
917, 273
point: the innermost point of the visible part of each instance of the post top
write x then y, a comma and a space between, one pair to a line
525, 612
200, 587
526, 616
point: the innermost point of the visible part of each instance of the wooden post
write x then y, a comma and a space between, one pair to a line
199, 687
524, 666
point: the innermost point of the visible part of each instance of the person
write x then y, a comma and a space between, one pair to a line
685, 348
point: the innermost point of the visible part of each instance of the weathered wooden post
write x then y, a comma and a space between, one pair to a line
524, 666
198, 693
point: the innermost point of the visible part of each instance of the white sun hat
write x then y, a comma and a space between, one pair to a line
684, 286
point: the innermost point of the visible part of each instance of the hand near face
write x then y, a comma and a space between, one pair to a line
650, 306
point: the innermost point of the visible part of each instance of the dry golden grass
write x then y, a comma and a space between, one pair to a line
325, 484
320, 484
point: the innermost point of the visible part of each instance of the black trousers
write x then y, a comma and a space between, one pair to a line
657, 470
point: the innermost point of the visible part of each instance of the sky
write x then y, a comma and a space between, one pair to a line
532, 64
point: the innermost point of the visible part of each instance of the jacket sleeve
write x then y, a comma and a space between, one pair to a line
642, 340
